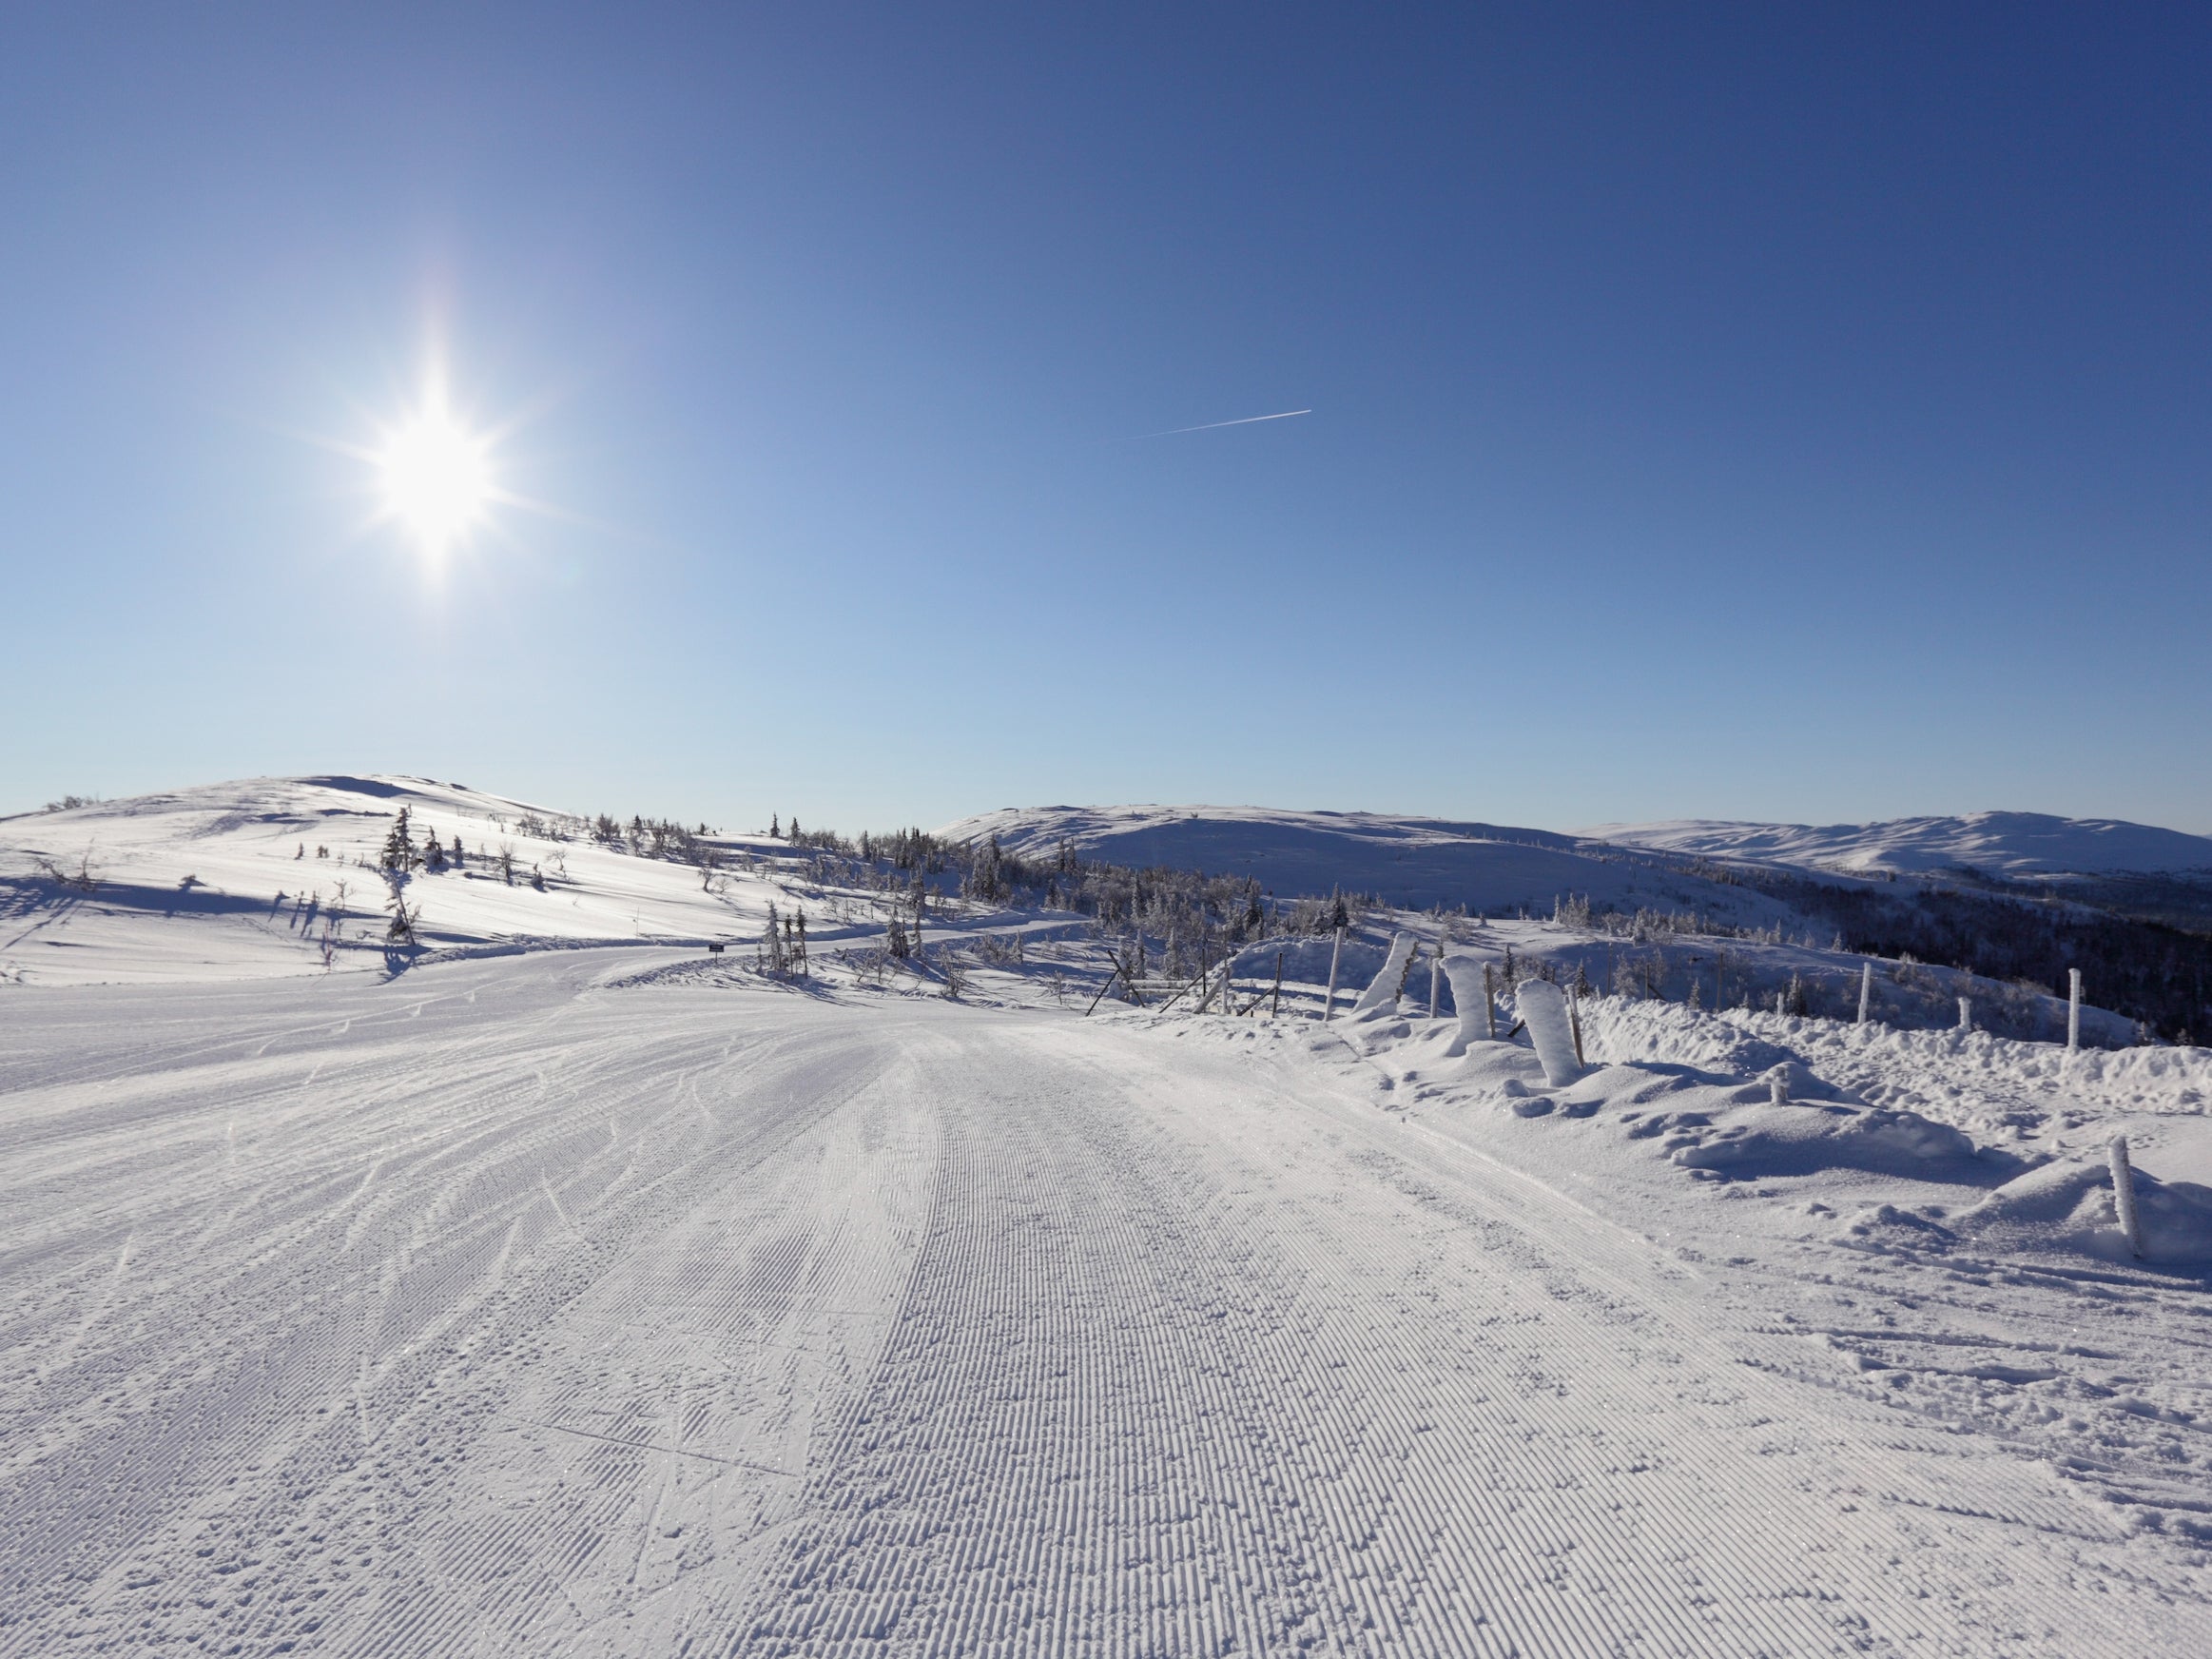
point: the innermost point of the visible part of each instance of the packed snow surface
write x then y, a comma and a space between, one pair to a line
619, 1300
2008, 844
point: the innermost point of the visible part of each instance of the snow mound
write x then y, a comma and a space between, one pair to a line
1802, 1138
1722, 1125
2067, 1205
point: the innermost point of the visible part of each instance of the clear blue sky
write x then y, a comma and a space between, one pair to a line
1775, 412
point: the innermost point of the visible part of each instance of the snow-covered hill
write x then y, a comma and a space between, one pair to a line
269, 876
1409, 862
2005, 844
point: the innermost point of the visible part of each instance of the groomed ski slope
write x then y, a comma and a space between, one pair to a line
600, 1303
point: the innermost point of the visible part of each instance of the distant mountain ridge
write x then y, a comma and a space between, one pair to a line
2004, 844
1422, 861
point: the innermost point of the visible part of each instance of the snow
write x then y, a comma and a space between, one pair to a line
564, 1291
2008, 844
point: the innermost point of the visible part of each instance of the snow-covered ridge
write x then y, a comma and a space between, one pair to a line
2009, 843
1417, 860
1410, 862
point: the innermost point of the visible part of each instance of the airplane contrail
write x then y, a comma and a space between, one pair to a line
1209, 425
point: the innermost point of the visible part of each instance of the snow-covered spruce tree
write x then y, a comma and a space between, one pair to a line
769, 955
433, 855
985, 878
460, 858
398, 853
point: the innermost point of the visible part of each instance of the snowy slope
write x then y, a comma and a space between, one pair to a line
1409, 862
2009, 843
251, 878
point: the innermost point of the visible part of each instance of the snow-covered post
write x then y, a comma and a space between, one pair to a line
1276, 1007
1866, 989
2073, 1009
1574, 1024
1965, 1013
1382, 990
1435, 973
2124, 1196
1778, 1085
1543, 1010
1335, 955
1462, 971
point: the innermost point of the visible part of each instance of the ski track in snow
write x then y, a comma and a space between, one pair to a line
498, 1311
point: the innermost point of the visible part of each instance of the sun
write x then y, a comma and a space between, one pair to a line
437, 476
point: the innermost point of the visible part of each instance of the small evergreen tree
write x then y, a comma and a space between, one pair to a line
433, 855
404, 917
398, 853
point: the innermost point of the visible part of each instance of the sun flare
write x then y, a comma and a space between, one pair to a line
436, 477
